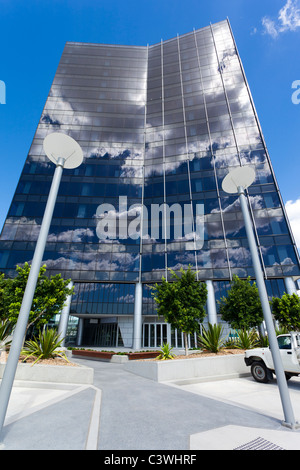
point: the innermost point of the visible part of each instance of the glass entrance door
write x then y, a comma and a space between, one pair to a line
155, 334
99, 334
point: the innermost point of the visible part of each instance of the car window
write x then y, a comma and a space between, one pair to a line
284, 342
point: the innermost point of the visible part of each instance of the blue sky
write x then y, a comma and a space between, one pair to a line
33, 34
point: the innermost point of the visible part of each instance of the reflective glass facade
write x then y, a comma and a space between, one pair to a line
157, 124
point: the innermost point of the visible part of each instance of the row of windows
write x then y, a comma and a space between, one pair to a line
274, 271
229, 204
204, 37
196, 125
107, 165
103, 308
155, 276
97, 292
61, 246
92, 71
107, 57
153, 188
89, 92
154, 232
103, 62
191, 69
108, 102
275, 288
92, 261
105, 50
57, 119
103, 300
95, 123
115, 107
192, 81
196, 139
82, 189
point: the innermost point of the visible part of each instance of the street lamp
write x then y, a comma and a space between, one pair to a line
65, 152
236, 182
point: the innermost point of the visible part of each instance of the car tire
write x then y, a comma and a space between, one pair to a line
260, 372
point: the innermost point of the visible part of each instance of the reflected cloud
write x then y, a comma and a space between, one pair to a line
76, 235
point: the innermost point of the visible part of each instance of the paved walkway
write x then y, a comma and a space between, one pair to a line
122, 411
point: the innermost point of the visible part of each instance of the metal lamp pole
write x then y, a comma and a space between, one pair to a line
279, 370
236, 182
20, 330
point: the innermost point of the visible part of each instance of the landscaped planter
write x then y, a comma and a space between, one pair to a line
143, 355
112, 356
97, 355
53, 373
200, 369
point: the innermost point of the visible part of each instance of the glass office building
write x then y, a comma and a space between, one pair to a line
159, 124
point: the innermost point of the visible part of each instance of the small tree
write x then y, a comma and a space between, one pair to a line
49, 297
242, 307
287, 311
181, 302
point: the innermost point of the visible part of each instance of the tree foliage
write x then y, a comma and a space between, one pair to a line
242, 307
287, 311
49, 297
182, 301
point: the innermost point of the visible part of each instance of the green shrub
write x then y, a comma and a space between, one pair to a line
44, 347
211, 338
166, 352
263, 342
247, 339
6, 328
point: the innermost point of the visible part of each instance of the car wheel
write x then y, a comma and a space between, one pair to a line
260, 372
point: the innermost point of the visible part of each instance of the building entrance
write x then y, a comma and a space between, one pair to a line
100, 334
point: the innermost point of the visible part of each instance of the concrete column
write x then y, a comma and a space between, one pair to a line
211, 303
64, 317
137, 319
290, 285
80, 331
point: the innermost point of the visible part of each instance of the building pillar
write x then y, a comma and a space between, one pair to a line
137, 319
211, 303
64, 317
290, 285
80, 331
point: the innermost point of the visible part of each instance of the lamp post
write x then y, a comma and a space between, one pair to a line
236, 182
65, 152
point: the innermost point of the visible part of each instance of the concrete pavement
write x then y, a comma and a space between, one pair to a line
122, 411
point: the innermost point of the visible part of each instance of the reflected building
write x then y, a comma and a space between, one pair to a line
157, 124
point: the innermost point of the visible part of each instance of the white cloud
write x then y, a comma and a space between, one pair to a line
288, 19
289, 16
293, 212
269, 27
